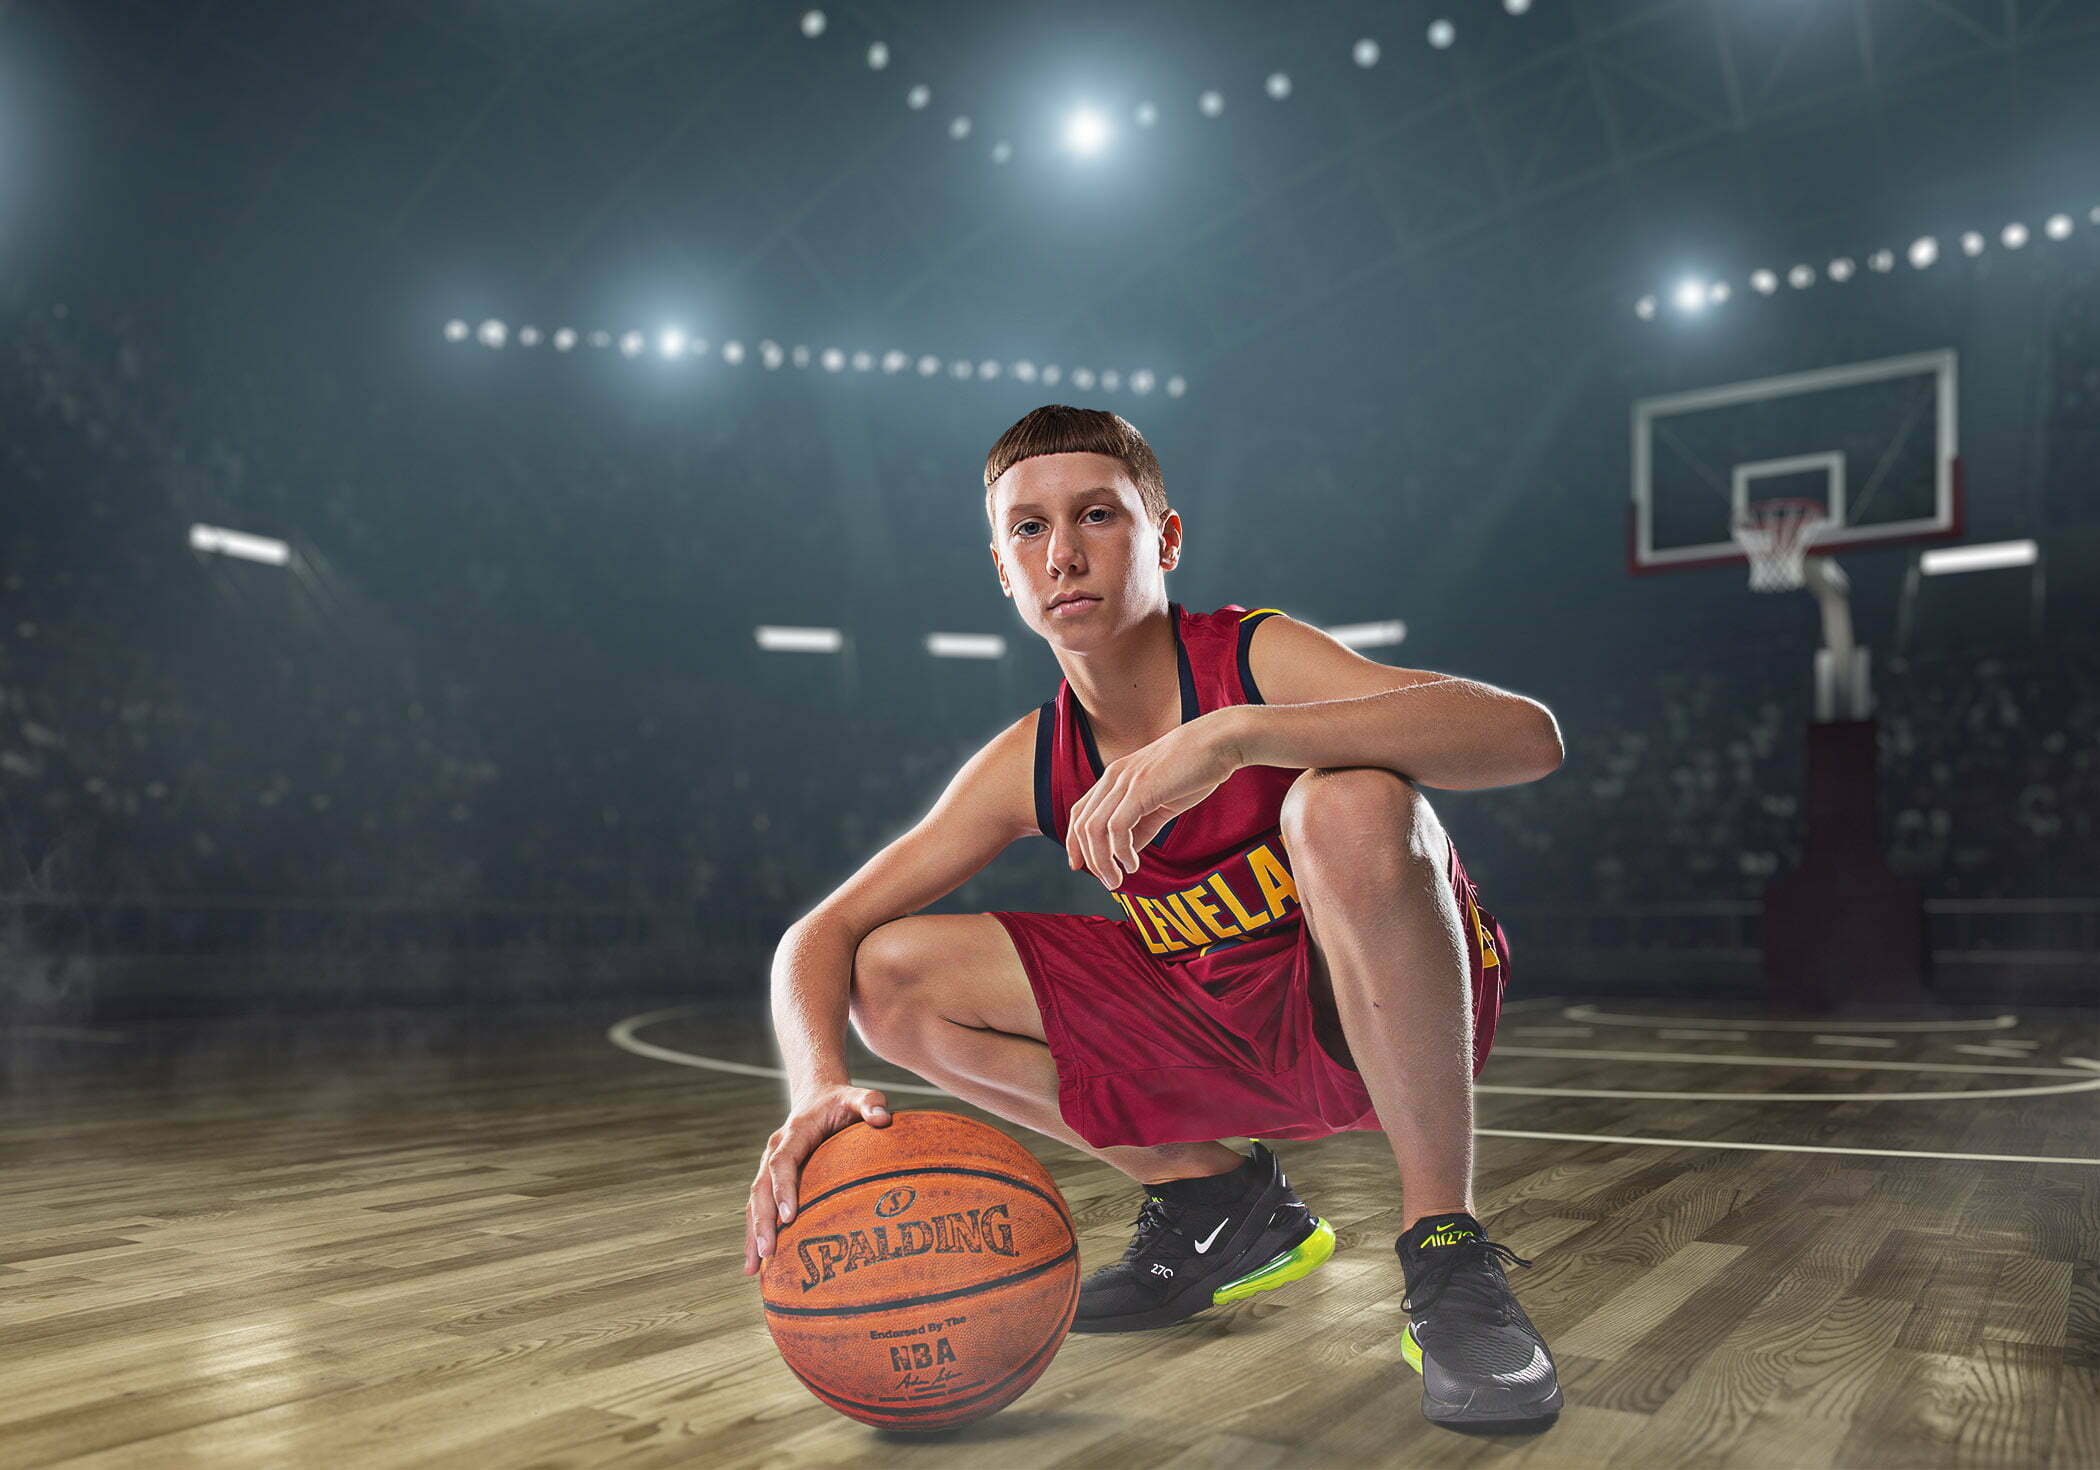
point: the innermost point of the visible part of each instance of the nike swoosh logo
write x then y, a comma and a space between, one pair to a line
1205, 1243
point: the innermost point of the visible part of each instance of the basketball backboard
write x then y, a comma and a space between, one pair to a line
1874, 442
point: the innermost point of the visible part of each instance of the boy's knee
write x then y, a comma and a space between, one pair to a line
887, 987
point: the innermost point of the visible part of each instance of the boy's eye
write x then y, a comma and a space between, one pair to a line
1022, 529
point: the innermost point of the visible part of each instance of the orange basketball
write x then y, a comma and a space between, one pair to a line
928, 1276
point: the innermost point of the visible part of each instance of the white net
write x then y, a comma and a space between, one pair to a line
1776, 535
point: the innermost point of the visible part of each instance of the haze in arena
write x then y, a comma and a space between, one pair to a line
1050, 735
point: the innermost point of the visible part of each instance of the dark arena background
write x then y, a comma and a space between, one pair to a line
493, 533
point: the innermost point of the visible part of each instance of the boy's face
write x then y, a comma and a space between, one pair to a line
1074, 523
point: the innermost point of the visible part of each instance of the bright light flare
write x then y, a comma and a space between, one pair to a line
1086, 132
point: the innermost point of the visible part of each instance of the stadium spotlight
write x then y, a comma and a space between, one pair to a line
918, 97
1801, 277
1278, 85
1147, 115
265, 549
1763, 282
961, 368
632, 343
800, 640
1176, 387
1971, 243
493, 333
863, 362
1024, 371
1050, 375
2093, 214
929, 365
1365, 53
1841, 269
834, 360
958, 128
456, 330
1083, 379
732, 353
1718, 293
965, 645
813, 23
894, 361
601, 338
1645, 308
770, 355
528, 336
1984, 557
989, 368
878, 55
1924, 251
564, 339
1882, 260
1211, 103
1001, 151
671, 343
1369, 635
1086, 132
1516, 7
2059, 227
1111, 380
2014, 235
1441, 34
1690, 295
799, 356
1141, 381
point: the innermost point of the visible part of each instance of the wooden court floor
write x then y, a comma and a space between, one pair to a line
507, 1241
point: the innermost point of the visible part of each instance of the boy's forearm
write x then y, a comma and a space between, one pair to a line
812, 983
1456, 734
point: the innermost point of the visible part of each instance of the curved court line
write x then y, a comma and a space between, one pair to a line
1695, 1023
2088, 1072
1818, 1064
622, 1035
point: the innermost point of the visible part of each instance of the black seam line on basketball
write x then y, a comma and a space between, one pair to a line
1045, 1352
805, 1206
931, 1297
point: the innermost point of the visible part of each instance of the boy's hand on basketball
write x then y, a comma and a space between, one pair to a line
772, 1202
1140, 793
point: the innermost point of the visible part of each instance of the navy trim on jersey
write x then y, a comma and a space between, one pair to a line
1247, 626
1045, 809
1191, 709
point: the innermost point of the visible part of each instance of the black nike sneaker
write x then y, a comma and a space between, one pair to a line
1481, 1360
1205, 1242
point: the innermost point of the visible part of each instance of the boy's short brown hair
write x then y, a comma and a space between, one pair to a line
1056, 428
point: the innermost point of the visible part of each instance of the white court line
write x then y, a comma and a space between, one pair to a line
1602, 1018
622, 1035
1704, 1035
1820, 1064
1853, 1040
1997, 1049
1552, 1030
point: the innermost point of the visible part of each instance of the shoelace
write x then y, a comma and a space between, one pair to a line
1151, 1220
1437, 1274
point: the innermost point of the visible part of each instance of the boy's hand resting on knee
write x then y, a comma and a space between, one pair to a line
772, 1201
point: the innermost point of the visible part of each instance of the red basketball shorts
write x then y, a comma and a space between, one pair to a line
1221, 1046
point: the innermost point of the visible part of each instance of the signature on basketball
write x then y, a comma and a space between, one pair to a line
922, 1385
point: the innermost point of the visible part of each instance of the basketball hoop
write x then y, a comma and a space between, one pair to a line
1775, 535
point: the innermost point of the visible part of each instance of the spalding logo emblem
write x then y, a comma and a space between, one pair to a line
896, 1202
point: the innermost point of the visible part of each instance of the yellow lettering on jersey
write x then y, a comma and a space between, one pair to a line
1178, 915
1274, 878
1138, 922
1488, 960
1231, 900
1209, 915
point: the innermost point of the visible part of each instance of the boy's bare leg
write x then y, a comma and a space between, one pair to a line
945, 995
1372, 867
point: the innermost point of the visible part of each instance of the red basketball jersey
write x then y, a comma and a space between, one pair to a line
1217, 876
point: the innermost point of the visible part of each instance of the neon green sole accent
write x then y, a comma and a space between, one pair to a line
1300, 1261
1410, 1349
